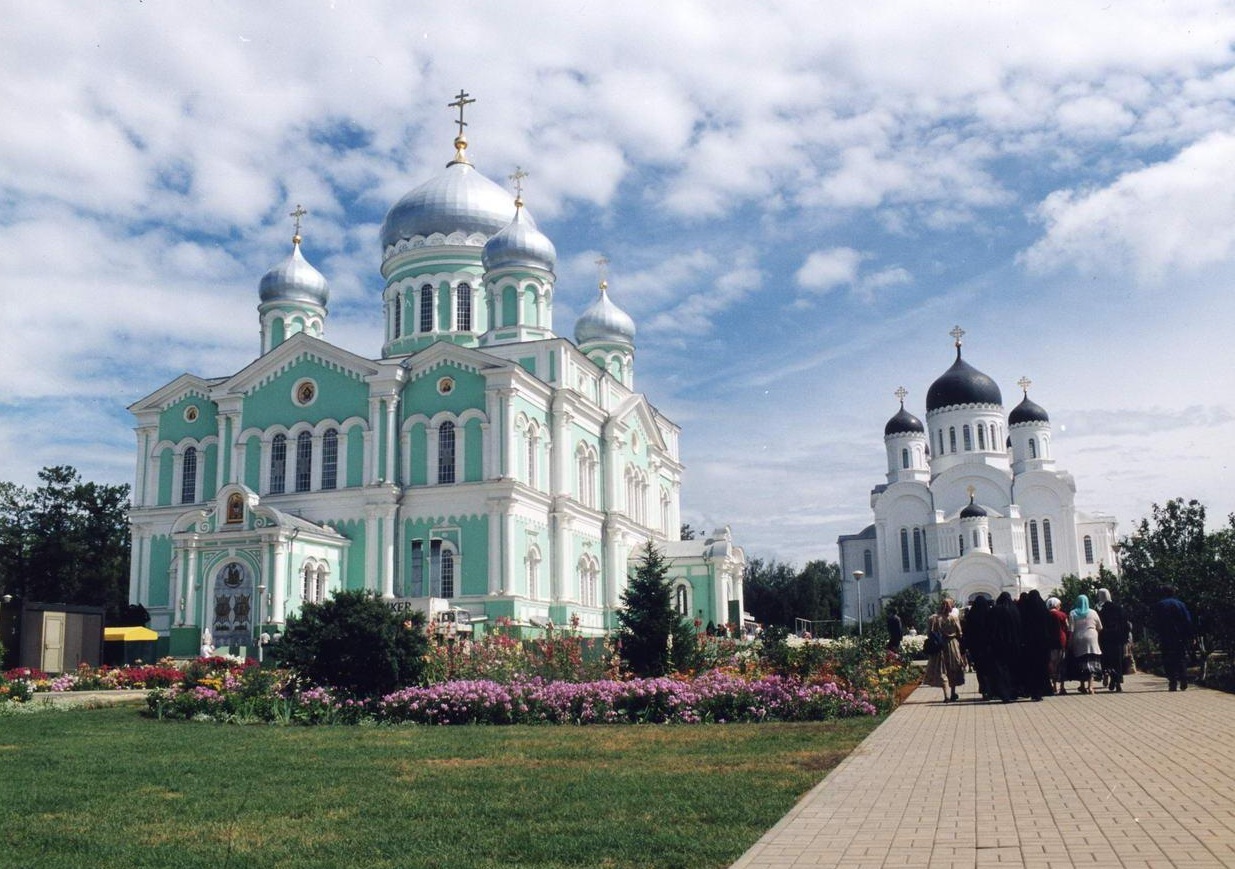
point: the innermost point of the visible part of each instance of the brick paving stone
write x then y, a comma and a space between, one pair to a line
1145, 778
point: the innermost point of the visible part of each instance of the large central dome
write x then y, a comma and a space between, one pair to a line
457, 199
960, 385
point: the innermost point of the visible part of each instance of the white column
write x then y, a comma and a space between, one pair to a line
388, 555
190, 581
279, 582
373, 440
137, 557
224, 454
392, 439
371, 557
560, 563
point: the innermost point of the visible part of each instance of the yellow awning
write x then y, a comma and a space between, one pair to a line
128, 635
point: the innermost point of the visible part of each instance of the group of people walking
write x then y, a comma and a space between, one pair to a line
1030, 647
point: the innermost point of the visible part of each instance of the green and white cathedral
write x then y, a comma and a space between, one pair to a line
482, 466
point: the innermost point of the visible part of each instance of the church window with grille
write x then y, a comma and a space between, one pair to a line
1035, 551
868, 562
1088, 549
968, 438
426, 308
960, 543
446, 453
463, 308
981, 437
330, 459
278, 464
904, 457
188, 477
905, 550
447, 568
1033, 448
952, 438
398, 315
304, 461
1047, 543
681, 601
917, 549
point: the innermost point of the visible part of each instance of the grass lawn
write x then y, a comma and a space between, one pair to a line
108, 788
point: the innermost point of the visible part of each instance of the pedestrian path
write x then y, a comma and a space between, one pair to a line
1144, 778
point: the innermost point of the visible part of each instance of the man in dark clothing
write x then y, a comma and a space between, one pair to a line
1174, 626
896, 632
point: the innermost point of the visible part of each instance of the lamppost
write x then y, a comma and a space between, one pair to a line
261, 593
857, 580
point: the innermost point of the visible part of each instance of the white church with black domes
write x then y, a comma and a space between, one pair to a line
483, 464
973, 502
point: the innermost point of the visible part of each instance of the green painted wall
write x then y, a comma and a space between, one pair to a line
160, 563
165, 477
351, 466
339, 396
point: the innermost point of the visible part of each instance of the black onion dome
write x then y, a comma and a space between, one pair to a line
1027, 411
962, 384
973, 511
904, 423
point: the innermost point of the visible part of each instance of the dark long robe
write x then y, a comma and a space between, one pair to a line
1004, 641
1113, 640
1035, 645
977, 647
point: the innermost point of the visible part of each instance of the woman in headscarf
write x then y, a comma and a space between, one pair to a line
1112, 640
946, 667
1058, 644
974, 643
1083, 648
1003, 639
1035, 645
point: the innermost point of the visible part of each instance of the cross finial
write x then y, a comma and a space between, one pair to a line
957, 334
972, 491
461, 100
518, 177
900, 393
1024, 383
602, 264
296, 215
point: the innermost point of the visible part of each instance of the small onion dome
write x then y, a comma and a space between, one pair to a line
1027, 411
904, 423
604, 322
457, 199
962, 384
973, 511
294, 280
519, 243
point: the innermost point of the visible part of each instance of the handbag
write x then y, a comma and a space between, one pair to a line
934, 642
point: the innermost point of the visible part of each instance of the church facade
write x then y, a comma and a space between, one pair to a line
973, 503
481, 466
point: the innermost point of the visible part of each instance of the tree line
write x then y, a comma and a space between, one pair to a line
66, 541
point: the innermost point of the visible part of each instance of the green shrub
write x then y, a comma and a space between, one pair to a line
356, 644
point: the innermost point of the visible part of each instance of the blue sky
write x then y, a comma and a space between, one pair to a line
798, 201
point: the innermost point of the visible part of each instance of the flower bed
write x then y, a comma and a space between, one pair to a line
21, 683
714, 697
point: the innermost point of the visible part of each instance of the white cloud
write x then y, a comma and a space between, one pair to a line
1169, 217
825, 270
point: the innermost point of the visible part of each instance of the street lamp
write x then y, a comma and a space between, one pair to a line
261, 637
857, 580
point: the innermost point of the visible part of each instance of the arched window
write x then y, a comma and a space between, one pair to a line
977, 539
1034, 549
1047, 543
278, 464
306, 583
463, 308
981, 437
398, 315
188, 477
1033, 448
990, 542
960, 543
905, 550
994, 439
446, 453
532, 445
968, 438
585, 461
426, 308
868, 562
1088, 549
330, 458
952, 438
941, 447
666, 512
681, 600
917, 549
304, 461
904, 457
533, 573
447, 568
589, 574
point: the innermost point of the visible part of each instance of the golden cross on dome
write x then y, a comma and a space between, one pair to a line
460, 101
296, 215
518, 177
957, 334
1024, 383
602, 263
900, 393
972, 491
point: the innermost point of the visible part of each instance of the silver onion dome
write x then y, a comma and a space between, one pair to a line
604, 322
294, 280
456, 200
519, 243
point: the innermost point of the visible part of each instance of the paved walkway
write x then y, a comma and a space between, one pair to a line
1144, 778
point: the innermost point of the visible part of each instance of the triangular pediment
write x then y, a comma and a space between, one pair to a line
183, 386
635, 411
295, 349
424, 362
